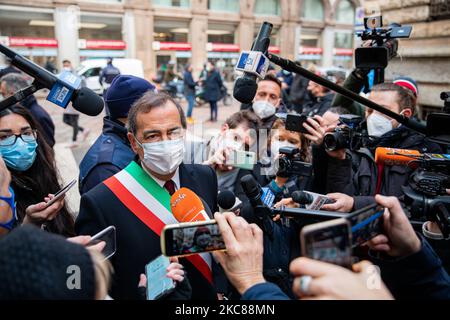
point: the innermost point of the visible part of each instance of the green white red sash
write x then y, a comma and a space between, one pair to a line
150, 202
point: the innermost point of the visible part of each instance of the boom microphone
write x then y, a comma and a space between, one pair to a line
245, 87
83, 99
187, 206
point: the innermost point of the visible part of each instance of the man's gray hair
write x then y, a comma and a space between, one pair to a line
14, 82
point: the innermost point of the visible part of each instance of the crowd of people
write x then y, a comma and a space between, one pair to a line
141, 159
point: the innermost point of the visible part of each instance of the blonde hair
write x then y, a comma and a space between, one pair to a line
103, 272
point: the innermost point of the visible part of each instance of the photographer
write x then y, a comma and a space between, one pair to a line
355, 174
238, 133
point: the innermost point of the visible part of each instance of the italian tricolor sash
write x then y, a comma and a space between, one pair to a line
150, 202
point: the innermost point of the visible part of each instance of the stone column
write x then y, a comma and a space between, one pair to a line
246, 29
129, 33
198, 36
328, 46
143, 40
66, 31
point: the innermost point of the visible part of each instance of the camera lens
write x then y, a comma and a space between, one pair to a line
330, 141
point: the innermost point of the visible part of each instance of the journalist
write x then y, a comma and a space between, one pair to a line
33, 171
353, 176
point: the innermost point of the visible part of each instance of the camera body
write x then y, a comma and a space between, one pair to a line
348, 136
291, 164
383, 47
425, 195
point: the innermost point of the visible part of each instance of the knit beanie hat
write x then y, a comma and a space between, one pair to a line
123, 92
35, 264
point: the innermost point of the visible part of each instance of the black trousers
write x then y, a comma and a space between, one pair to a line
72, 120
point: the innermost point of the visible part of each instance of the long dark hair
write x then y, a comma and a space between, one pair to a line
33, 185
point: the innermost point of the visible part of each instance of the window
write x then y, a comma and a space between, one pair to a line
224, 5
267, 7
345, 12
343, 40
172, 3
313, 10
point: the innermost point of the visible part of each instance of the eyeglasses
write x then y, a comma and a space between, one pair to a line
28, 136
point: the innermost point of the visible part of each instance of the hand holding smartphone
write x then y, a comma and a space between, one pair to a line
328, 241
158, 284
107, 235
58, 195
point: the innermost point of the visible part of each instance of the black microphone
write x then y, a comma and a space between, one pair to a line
245, 87
227, 201
253, 191
302, 197
84, 99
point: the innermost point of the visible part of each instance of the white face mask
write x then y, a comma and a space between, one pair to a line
163, 157
276, 145
264, 109
377, 125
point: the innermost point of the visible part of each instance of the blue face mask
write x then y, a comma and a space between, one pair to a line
20, 156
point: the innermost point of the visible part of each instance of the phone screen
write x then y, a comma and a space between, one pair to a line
366, 224
107, 235
61, 192
192, 239
330, 244
241, 159
158, 285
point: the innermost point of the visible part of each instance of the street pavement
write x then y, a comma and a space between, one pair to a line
68, 159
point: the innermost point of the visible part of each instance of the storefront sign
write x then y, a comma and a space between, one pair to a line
33, 42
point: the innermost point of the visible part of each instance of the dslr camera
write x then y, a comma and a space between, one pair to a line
348, 136
290, 163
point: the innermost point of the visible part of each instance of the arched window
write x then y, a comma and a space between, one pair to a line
267, 7
313, 10
345, 12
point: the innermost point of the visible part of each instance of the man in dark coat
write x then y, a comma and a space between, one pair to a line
111, 152
213, 85
137, 199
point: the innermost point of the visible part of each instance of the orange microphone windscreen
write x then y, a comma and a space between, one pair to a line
187, 206
395, 157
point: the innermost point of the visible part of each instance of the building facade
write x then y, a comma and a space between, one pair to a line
159, 31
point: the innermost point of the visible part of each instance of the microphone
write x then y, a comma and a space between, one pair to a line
395, 157
61, 90
186, 206
302, 197
245, 87
227, 202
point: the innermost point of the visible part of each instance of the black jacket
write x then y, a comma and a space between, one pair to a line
357, 175
137, 245
42, 118
189, 84
319, 106
109, 154
213, 85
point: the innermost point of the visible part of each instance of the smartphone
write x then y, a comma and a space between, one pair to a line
241, 159
61, 193
108, 235
366, 223
294, 122
328, 241
158, 285
191, 238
